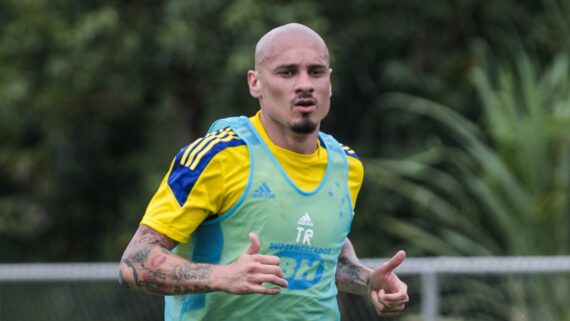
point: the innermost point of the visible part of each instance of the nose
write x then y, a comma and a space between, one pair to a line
304, 83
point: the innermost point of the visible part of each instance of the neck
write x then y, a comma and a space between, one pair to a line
286, 138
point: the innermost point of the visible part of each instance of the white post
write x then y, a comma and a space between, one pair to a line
430, 296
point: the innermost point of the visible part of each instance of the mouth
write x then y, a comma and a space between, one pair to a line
305, 105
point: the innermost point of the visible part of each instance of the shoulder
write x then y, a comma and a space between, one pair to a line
201, 151
206, 154
355, 167
349, 152
355, 172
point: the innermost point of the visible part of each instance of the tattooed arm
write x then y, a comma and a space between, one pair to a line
388, 294
149, 265
351, 275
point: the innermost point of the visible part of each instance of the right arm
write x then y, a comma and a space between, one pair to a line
149, 265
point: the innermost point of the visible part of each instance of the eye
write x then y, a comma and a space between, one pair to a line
286, 72
317, 72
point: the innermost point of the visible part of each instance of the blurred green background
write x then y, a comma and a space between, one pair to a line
460, 111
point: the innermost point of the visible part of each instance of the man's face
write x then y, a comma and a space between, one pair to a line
292, 83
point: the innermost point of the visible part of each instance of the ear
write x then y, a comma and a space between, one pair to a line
330, 86
254, 83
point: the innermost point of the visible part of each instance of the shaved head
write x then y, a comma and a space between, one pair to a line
296, 33
292, 82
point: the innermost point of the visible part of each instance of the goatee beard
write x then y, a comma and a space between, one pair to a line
305, 126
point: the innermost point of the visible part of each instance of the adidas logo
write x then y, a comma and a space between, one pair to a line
305, 220
262, 191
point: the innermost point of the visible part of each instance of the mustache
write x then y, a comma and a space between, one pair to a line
305, 98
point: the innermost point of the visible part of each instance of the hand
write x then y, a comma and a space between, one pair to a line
388, 294
245, 275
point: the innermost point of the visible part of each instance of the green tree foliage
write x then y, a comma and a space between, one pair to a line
96, 97
504, 193
500, 193
70, 118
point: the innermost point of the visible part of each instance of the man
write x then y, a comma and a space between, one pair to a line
262, 206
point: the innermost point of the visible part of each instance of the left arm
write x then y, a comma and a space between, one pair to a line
388, 294
351, 275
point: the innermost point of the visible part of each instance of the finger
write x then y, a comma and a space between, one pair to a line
378, 306
374, 297
269, 269
395, 298
395, 261
269, 278
263, 290
392, 302
394, 310
267, 259
254, 244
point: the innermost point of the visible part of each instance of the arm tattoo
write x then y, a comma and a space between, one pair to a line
140, 256
351, 275
155, 269
147, 235
122, 279
192, 271
195, 272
